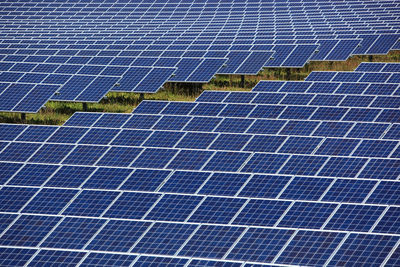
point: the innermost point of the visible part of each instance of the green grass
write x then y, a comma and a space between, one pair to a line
56, 113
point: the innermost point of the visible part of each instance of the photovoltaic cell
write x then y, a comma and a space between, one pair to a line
164, 238
261, 212
260, 245
315, 247
118, 236
174, 208
364, 249
208, 238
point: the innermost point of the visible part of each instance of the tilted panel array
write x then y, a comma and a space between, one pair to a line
172, 41
292, 173
379, 67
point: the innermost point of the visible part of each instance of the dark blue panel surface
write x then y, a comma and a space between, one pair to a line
260, 245
73, 233
89, 202
315, 247
185, 182
307, 215
221, 184
107, 178
354, 218
174, 208
131, 205
50, 201
217, 210
190, 159
145, 180
58, 257
118, 236
211, 241
164, 238
226, 161
261, 212
361, 249
22, 233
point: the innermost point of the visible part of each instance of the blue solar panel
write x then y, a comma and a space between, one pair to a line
131, 205
206, 70
211, 241
299, 56
260, 245
303, 165
367, 130
165, 123
51, 153
265, 163
262, 212
145, 180
45, 257
157, 261
174, 208
268, 86
69, 176
389, 223
85, 155
118, 236
131, 137
90, 202
36, 133
185, 67
112, 120
190, 159
67, 135
316, 248
235, 59
368, 66
21, 233
280, 55
73, 233
153, 81
342, 167
302, 188
163, 139
154, 158
383, 44
178, 108
82, 119
266, 126
359, 249
223, 184
99, 259
300, 145
324, 49
307, 215
343, 50
220, 181
217, 210
107, 178
212, 96
164, 238
50, 201
381, 169
354, 218
254, 63
15, 256
18, 151
9, 132
337, 147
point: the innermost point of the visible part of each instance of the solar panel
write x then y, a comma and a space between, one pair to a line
383, 44
292, 173
26, 98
